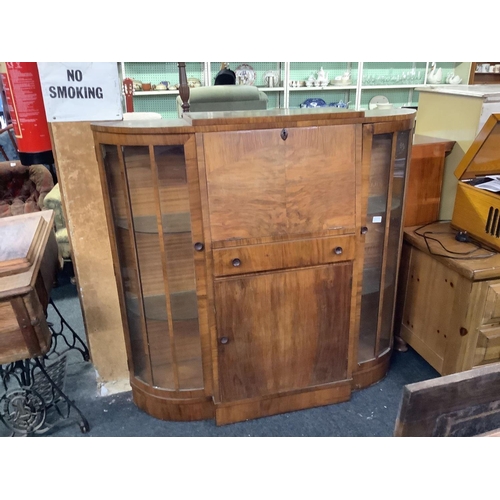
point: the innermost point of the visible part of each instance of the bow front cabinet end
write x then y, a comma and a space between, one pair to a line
256, 255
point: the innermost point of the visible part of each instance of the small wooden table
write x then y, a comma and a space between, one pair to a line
449, 307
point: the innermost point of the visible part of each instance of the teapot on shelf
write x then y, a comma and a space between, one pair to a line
271, 78
322, 78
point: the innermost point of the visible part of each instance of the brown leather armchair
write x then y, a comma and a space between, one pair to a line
23, 189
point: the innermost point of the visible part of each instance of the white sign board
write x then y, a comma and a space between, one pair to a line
81, 91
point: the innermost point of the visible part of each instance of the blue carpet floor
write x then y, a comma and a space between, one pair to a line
370, 412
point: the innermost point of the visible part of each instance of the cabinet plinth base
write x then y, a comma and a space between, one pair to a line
168, 408
239, 411
371, 372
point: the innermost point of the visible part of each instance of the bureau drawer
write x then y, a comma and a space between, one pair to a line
488, 346
283, 255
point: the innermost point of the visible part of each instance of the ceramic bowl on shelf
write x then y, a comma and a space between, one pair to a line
384, 105
313, 102
341, 81
193, 82
161, 86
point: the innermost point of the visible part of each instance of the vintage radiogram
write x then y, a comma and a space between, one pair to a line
477, 210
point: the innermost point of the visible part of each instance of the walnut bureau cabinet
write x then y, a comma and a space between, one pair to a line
256, 255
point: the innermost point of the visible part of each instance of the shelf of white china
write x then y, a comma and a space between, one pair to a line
328, 87
405, 86
171, 92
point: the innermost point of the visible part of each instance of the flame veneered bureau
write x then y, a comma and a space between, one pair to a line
256, 255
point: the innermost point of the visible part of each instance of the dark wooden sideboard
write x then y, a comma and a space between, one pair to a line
256, 255
425, 179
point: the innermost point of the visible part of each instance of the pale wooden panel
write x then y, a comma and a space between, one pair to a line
83, 205
426, 313
492, 305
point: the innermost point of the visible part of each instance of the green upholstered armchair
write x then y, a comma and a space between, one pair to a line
224, 98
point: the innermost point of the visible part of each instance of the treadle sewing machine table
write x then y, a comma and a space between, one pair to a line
31, 370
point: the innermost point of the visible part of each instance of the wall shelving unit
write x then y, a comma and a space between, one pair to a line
394, 80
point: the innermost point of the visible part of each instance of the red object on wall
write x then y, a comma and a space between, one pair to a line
23, 92
128, 90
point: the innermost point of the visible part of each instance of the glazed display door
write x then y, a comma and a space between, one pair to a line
158, 235
282, 218
388, 158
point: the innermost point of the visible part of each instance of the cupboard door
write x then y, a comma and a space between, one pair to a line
282, 331
262, 185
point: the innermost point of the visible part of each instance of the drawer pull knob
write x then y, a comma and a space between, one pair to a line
236, 262
224, 340
199, 246
284, 134
364, 230
338, 250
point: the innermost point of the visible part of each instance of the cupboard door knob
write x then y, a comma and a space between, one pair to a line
364, 230
198, 246
236, 262
224, 340
338, 250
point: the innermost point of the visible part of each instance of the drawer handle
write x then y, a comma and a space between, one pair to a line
199, 246
236, 262
224, 340
364, 230
338, 250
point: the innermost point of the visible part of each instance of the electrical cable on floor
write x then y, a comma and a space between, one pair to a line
454, 255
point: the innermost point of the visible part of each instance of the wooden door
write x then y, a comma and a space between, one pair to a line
261, 185
282, 331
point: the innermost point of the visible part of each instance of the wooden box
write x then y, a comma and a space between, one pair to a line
476, 210
28, 263
450, 299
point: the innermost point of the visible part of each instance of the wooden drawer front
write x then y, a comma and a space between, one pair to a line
290, 254
492, 306
488, 346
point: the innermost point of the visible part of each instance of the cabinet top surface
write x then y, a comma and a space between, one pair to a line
488, 92
473, 269
190, 121
12, 284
